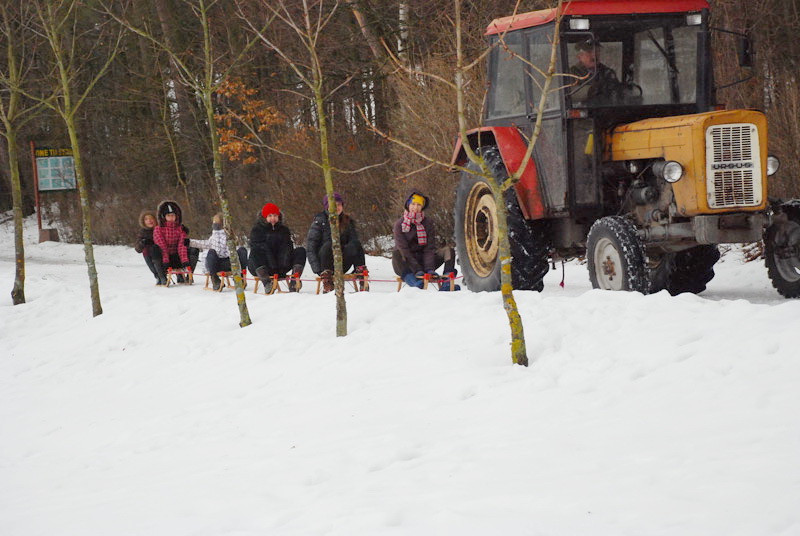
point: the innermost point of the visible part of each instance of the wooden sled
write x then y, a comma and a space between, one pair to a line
276, 284
428, 279
225, 279
188, 277
354, 279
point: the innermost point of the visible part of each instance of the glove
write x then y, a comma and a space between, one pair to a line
186, 242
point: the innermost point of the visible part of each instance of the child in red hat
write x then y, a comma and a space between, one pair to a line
272, 250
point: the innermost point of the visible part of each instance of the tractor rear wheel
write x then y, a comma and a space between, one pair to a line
782, 251
477, 237
689, 270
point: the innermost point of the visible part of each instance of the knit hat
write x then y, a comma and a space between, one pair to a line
336, 196
270, 208
418, 199
415, 196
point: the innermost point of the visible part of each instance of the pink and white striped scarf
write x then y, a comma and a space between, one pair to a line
415, 218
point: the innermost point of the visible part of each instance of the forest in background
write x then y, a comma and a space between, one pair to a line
144, 135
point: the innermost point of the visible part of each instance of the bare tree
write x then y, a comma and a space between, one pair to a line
458, 86
59, 25
308, 21
13, 114
214, 68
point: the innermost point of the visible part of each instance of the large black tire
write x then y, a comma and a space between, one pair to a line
477, 241
689, 270
782, 252
616, 256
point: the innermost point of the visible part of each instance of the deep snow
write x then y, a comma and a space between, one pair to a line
639, 415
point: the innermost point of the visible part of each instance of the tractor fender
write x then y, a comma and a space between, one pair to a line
512, 147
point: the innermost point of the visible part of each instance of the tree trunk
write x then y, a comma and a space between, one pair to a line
86, 212
333, 217
236, 268
18, 292
519, 354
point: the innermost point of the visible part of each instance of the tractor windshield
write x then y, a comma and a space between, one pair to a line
647, 61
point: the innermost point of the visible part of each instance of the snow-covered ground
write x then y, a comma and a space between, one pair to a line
639, 415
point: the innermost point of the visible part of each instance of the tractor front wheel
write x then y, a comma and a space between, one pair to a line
616, 256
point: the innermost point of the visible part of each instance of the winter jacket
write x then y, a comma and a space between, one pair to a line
320, 232
171, 236
272, 243
144, 240
418, 257
218, 241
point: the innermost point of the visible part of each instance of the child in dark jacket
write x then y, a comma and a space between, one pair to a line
320, 245
218, 258
415, 252
171, 243
272, 250
144, 240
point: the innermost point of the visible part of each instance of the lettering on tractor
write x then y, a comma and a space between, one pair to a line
637, 167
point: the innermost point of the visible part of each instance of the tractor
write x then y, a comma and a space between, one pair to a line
636, 168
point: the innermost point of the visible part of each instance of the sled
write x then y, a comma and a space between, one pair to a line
185, 275
225, 278
360, 281
276, 284
430, 279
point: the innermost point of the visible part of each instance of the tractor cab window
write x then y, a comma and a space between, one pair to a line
540, 48
594, 64
639, 61
665, 64
507, 75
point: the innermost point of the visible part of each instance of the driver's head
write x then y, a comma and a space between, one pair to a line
588, 52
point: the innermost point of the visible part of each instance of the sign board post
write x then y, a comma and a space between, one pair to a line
53, 169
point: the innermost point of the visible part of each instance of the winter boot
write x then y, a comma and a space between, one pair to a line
327, 281
446, 285
412, 281
294, 281
162, 278
216, 282
265, 277
359, 273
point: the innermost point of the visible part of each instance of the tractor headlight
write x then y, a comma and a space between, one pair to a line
773, 164
670, 171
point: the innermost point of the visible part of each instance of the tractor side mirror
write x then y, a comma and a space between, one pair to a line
744, 49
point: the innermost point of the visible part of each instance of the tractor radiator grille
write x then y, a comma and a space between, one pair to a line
733, 166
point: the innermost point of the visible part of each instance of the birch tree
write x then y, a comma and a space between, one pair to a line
458, 87
214, 67
59, 23
307, 20
14, 112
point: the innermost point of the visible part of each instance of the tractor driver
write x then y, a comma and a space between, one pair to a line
596, 81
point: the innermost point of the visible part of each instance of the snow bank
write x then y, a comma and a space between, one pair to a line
651, 415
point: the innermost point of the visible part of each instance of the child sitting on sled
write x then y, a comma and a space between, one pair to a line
218, 258
171, 243
272, 250
415, 252
144, 240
